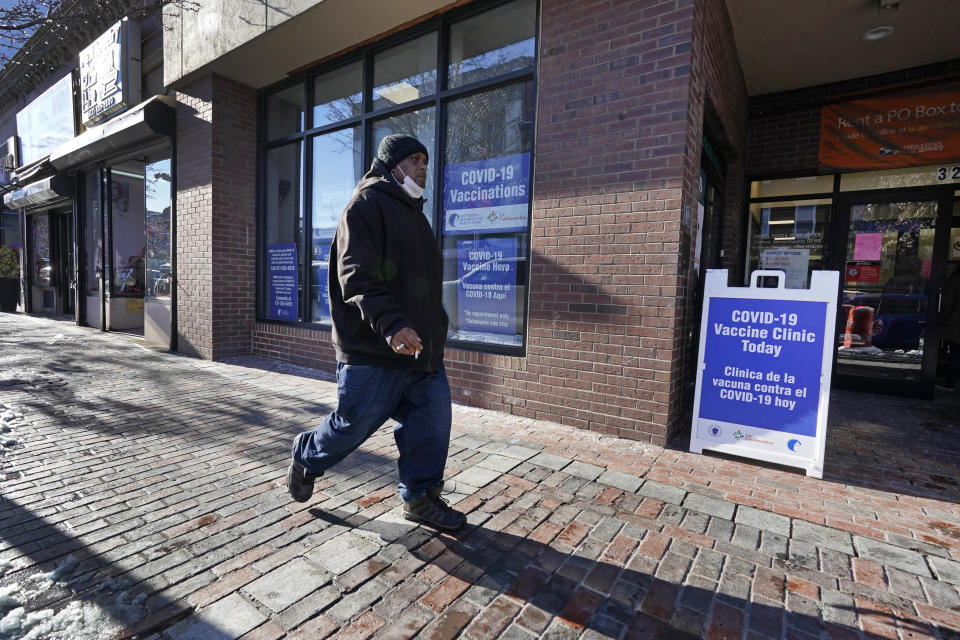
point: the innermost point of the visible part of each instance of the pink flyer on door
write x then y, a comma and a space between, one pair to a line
868, 246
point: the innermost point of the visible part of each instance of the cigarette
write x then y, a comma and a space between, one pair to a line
416, 354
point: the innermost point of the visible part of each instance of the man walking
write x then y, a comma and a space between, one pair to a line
389, 331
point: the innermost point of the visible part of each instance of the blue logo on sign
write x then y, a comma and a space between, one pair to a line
793, 445
715, 431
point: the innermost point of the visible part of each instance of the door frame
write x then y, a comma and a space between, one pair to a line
837, 259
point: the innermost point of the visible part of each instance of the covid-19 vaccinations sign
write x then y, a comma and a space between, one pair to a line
487, 196
765, 360
282, 297
487, 285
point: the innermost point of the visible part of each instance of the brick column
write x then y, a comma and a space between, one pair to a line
216, 217
609, 247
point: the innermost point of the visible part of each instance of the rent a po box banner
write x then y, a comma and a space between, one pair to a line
763, 380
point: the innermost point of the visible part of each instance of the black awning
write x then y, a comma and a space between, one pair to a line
151, 119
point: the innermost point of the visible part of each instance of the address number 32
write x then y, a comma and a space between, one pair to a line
948, 173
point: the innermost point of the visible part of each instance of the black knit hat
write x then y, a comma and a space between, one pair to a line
396, 148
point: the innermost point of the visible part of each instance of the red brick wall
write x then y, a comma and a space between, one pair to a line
194, 219
234, 172
216, 198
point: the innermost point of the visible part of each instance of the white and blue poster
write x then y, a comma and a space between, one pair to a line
282, 282
764, 369
488, 195
487, 285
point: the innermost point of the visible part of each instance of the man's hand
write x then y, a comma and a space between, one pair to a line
406, 342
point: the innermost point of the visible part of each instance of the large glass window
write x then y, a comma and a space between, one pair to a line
486, 197
285, 112
127, 223
405, 72
338, 95
157, 183
478, 184
789, 236
93, 233
492, 44
337, 167
283, 232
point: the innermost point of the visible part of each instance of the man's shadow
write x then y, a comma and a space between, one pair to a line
601, 585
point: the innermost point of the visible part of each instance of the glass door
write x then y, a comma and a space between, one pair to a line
893, 247
65, 281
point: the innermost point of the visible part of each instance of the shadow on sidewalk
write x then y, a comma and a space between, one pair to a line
93, 581
600, 593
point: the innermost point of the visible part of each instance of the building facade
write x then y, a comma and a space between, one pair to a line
589, 160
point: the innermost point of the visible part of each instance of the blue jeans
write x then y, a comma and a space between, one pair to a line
368, 397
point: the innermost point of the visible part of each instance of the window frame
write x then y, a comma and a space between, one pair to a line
366, 120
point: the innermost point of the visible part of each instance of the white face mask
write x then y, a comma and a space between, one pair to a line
412, 189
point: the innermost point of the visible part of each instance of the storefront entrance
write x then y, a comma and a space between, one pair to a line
891, 248
52, 285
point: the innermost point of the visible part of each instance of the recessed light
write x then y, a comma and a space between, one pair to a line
878, 33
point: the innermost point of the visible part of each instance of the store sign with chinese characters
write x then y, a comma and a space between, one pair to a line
110, 73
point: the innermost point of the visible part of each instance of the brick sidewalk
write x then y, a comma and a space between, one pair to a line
153, 484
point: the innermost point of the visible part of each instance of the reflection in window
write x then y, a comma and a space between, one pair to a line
405, 72
93, 233
283, 232
157, 181
886, 286
420, 125
486, 197
493, 43
40, 251
338, 95
337, 167
790, 237
285, 112
127, 223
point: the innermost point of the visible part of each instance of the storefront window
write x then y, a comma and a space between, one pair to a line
421, 125
93, 233
478, 186
494, 43
337, 167
338, 95
159, 271
40, 251
791, 237
406, 72
486, 199
127, 223
283, 232
285, 112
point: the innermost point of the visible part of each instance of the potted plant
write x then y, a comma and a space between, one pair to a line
9, 279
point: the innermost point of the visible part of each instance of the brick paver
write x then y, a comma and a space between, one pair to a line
155, 483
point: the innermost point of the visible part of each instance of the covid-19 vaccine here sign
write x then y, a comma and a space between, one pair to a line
763, 379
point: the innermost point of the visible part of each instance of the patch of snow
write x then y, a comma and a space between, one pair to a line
8, 599
12, 621
62, 569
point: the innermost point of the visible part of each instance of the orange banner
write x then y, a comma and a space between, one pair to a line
908, 129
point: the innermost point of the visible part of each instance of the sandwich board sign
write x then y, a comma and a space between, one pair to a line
763, 373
